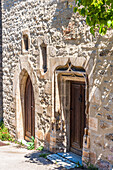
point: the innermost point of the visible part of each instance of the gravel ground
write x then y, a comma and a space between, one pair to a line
14, 157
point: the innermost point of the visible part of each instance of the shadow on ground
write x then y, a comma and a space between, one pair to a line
34, 157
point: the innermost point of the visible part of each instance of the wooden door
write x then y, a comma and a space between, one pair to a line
77, 116
29, 110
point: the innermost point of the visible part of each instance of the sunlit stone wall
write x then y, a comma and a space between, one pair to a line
65, 36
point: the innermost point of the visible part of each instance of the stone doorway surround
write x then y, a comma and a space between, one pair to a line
20, 77
61, 115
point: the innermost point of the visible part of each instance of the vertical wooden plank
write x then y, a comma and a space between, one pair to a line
83, 117
33, 113
29, 110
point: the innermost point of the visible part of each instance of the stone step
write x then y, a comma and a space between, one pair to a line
71, 157
59, 160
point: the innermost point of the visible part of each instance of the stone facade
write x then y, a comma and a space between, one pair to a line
52, 28
1, 104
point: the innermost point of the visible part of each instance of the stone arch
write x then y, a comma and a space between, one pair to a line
20, 118
63, 74
19, 84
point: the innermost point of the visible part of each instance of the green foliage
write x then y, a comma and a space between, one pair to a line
16, 142
78, 165
4, 134
31, 144
91, 166
44, 155
98, 13
40, 148
21, 143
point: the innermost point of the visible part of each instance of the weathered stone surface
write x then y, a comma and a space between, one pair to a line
104, 165
1, 74
109, 136
68, 43
40, 135
93, 123
92, 157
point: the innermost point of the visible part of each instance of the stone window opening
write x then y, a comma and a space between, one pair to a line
44, 57
25, 42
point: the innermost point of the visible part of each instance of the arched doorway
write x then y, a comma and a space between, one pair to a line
29, 110
71, 105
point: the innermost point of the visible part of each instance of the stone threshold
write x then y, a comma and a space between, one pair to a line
67, 160
72, 157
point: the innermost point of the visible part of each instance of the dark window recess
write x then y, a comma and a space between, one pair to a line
25, 41
44, 57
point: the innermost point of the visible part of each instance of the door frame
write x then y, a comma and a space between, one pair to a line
63, 74
62, 80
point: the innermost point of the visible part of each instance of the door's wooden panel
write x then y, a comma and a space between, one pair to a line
83, 116
33, 114
29, 110
77, 117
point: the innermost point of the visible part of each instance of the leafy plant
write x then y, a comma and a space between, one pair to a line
91, 166
78, 165
21, 143
1, 125
40, 148
98, 13
4, 134
31, 144
44, 155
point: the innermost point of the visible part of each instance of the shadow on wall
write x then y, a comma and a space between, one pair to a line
62, 16
8, 4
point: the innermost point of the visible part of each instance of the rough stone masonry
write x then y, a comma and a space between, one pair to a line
47, 41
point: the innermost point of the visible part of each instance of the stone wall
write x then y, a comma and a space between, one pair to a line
65, 36
1, 108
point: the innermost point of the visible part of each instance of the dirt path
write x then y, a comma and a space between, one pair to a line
13, 157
